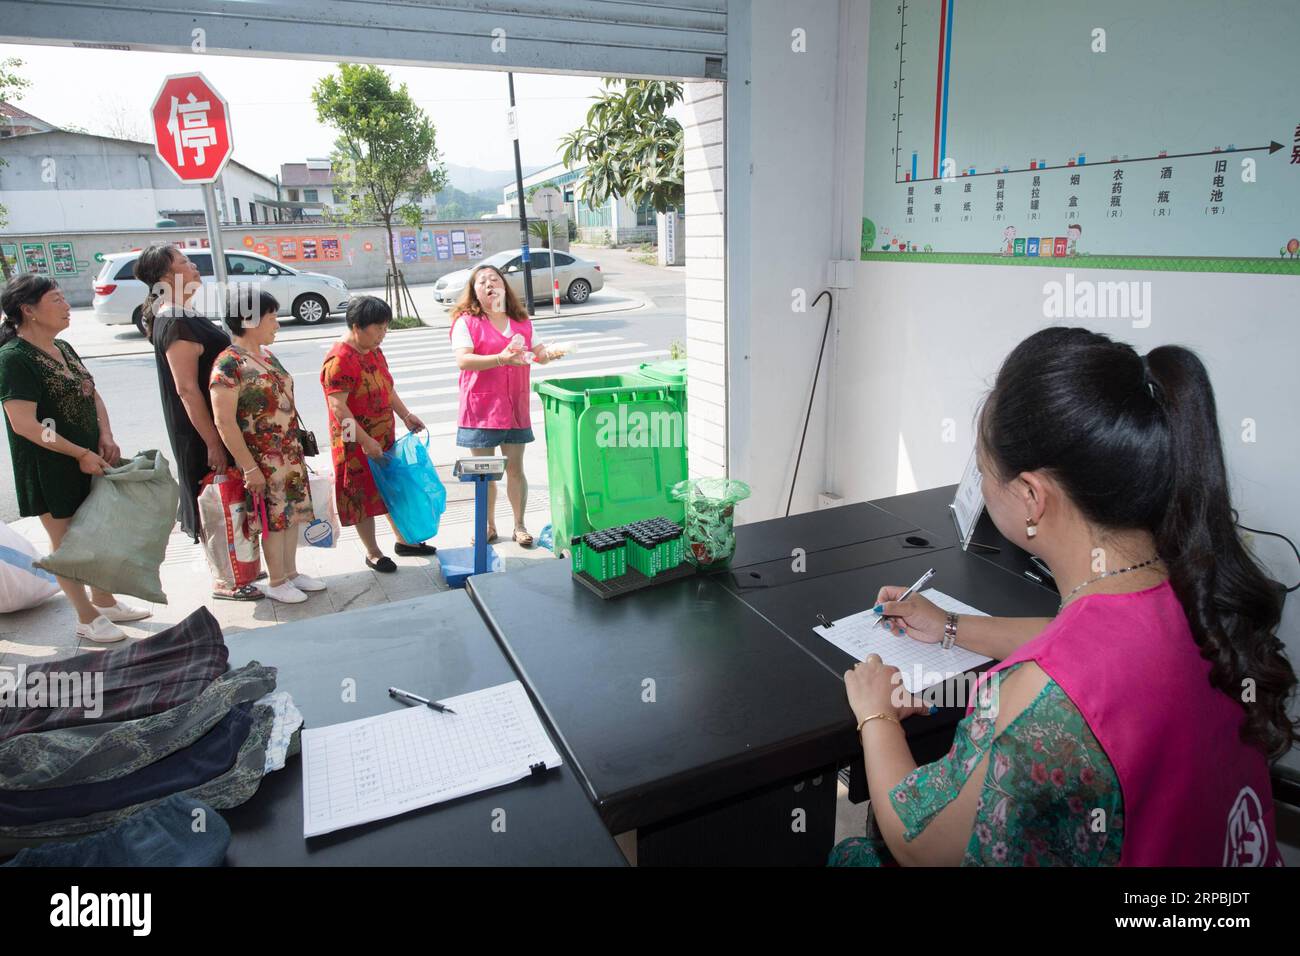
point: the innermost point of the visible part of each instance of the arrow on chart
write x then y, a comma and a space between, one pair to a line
1272, 147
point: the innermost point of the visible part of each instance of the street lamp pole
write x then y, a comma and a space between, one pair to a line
519, 194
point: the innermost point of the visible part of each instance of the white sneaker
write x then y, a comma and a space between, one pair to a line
121, 612
101, 630
285, 593
304, 582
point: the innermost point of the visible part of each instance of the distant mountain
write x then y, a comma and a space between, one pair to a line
455, 203
471, 179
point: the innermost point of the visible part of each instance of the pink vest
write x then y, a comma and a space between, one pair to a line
494, 397
1194, 793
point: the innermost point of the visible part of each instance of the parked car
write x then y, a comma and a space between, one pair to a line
578, 278
306, 296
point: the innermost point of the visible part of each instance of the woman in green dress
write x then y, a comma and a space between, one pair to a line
59, 435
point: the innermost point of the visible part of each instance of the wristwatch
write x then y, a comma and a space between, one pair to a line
949, 631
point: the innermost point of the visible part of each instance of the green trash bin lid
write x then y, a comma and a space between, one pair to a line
669, 371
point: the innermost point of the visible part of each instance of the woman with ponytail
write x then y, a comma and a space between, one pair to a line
59, 435
186, 344
1137, 726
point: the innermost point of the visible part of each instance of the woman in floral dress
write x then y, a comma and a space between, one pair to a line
252, 403
361, 398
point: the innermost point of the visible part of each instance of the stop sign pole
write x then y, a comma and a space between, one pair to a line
193, 138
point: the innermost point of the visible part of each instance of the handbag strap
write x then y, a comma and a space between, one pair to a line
259, 507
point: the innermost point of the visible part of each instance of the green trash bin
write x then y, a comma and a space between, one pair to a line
670, 372
615, 446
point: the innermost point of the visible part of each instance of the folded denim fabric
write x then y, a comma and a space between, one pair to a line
107, 751
142, 678
206, 759
178, 831
231, 789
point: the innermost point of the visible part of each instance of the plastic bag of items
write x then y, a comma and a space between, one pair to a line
710, 518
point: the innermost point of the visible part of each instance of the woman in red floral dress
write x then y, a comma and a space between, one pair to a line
252, 406
361, 398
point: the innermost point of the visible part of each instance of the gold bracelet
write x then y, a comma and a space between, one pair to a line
864, 720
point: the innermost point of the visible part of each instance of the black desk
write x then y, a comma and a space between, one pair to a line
744, 730
763, 542
838, 593
436, 646
929, 510
749, 701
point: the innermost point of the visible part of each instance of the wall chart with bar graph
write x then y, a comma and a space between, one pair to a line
1156, 135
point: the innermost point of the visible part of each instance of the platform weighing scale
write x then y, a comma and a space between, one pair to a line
461, 563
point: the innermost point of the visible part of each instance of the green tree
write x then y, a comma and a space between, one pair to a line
11, 87
386, 152
630, 146
538, 229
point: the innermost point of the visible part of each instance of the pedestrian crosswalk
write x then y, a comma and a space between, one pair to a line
425, 376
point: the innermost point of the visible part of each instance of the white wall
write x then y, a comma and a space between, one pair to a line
706, 265
782, 118
44, 210
239, 183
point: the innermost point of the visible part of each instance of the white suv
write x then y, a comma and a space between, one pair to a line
307, 296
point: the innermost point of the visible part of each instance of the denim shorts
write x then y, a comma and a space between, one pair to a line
492, 437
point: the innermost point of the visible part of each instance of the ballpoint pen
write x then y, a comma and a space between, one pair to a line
406, 697
921, 582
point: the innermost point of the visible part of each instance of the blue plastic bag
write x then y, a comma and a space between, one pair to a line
410, 487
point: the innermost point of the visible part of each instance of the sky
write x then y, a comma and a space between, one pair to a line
271, 109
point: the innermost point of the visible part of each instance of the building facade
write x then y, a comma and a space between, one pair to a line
614, 222
56, 179
310, 192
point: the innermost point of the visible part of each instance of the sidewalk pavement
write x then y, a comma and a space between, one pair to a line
47, 632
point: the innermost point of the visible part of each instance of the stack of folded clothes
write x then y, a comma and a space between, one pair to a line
104, 736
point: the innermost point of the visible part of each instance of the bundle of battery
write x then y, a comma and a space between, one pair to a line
649, 547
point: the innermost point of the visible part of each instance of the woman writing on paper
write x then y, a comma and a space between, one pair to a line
1137, 726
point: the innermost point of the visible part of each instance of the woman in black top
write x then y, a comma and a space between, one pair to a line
185, 345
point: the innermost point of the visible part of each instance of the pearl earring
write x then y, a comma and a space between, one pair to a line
1031, 529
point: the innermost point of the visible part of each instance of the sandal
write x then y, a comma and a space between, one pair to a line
248, 592
522, 537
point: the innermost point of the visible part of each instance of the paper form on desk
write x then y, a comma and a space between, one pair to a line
381, 766
922, 665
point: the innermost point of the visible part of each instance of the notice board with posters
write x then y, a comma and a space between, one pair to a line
1156, 135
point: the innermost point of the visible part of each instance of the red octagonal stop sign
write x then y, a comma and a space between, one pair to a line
191, 128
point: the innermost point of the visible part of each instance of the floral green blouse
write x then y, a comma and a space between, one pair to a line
1050, 796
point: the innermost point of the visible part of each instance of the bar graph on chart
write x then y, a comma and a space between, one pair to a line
1026, 119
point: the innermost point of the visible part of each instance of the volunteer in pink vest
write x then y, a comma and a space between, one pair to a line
492, 338
1136, 727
